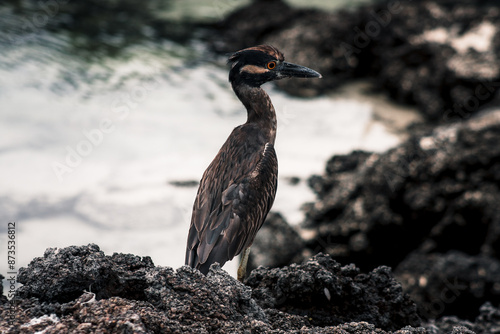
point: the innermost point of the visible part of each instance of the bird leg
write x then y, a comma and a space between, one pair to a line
242, 268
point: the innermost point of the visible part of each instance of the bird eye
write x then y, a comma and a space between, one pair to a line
271, 65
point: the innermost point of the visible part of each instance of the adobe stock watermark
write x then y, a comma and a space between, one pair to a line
223, 6
372, 30
93, 138
449, 294
12, 248
470, 104
40, 18
285, 117
323, 244
397, 174
482, 92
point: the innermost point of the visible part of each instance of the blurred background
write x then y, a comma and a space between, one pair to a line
110, 111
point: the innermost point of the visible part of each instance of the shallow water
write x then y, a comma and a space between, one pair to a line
89, 149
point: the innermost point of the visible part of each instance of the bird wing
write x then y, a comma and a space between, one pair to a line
234, 197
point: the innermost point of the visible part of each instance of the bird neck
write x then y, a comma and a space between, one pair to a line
259, 107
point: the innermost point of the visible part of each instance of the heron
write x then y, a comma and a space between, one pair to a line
238, 188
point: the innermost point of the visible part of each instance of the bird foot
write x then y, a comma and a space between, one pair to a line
242, 268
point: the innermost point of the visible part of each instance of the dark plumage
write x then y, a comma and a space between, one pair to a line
238, 188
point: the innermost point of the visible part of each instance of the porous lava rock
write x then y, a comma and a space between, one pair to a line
428, 207
318, 296
328, 294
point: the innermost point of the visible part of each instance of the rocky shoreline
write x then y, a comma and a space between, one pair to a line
82, 290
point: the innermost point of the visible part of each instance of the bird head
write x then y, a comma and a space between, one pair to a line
259, 64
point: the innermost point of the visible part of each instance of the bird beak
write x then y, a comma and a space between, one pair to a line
289, 70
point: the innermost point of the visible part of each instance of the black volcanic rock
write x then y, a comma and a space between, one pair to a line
318, 296
328, 294
442, 284
442, 56
277, 244
63, 274
411, 206
434, 192
487, 322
